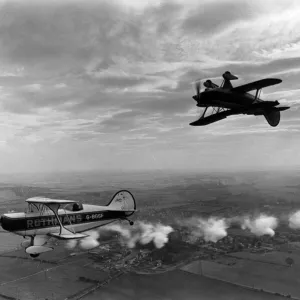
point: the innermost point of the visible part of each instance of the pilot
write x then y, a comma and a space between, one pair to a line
208, 84
77, 207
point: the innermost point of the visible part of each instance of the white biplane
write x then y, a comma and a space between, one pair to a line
46, 218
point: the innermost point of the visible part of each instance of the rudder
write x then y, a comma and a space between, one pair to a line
123, 200
272, 117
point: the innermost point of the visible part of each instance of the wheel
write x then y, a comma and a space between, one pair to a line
34, 255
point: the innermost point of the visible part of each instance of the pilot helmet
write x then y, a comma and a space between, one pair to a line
77, 206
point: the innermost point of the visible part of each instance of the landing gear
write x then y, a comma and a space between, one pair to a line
34, 255
129, 221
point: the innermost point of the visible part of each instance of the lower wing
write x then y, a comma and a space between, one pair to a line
217, 115
68, 236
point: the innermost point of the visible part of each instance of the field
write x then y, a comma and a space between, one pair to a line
261, 275
175, 285
114, 271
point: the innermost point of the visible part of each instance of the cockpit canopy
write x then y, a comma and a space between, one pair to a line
74, 207
42, 209
77, 206
209, 85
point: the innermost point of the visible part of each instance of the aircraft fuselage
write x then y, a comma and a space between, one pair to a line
219, 97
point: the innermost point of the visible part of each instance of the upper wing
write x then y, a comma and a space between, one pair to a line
43, 200
107, 208
256, 85
118, 209
219, 114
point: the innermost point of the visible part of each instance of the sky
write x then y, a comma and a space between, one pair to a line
107, 85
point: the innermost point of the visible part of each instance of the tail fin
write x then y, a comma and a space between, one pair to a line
272, 117
124, 201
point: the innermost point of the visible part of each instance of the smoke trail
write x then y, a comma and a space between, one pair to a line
156, 233
212, 229
71, 244
143, 233
261, 225
89, 242
294, 220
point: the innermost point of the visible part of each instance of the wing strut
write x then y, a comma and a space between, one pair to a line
64, 233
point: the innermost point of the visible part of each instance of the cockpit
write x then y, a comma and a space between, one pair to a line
43, 209
74, 207
209, 85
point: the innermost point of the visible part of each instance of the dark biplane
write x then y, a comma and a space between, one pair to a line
227, 100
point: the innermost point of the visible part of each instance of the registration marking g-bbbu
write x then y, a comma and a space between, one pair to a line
94, 216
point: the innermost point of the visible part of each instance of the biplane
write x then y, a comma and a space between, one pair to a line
48, 218
226, 100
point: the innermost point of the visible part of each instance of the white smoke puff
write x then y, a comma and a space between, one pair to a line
91, 241
146, 233
143, 233
294, 220
118, 228
86, 243
71, 244
127, 236
262, 225
212, 229
157, 233
161, 236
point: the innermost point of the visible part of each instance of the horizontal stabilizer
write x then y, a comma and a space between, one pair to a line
282, 108
68, 236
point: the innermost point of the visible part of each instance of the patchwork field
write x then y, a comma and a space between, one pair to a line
175, 285
62, 275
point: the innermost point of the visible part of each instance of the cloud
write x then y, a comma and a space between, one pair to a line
211, 17
122, 121
78, 77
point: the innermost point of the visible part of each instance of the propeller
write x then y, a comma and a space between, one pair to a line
197, 86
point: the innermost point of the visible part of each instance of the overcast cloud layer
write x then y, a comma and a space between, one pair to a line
107, 84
